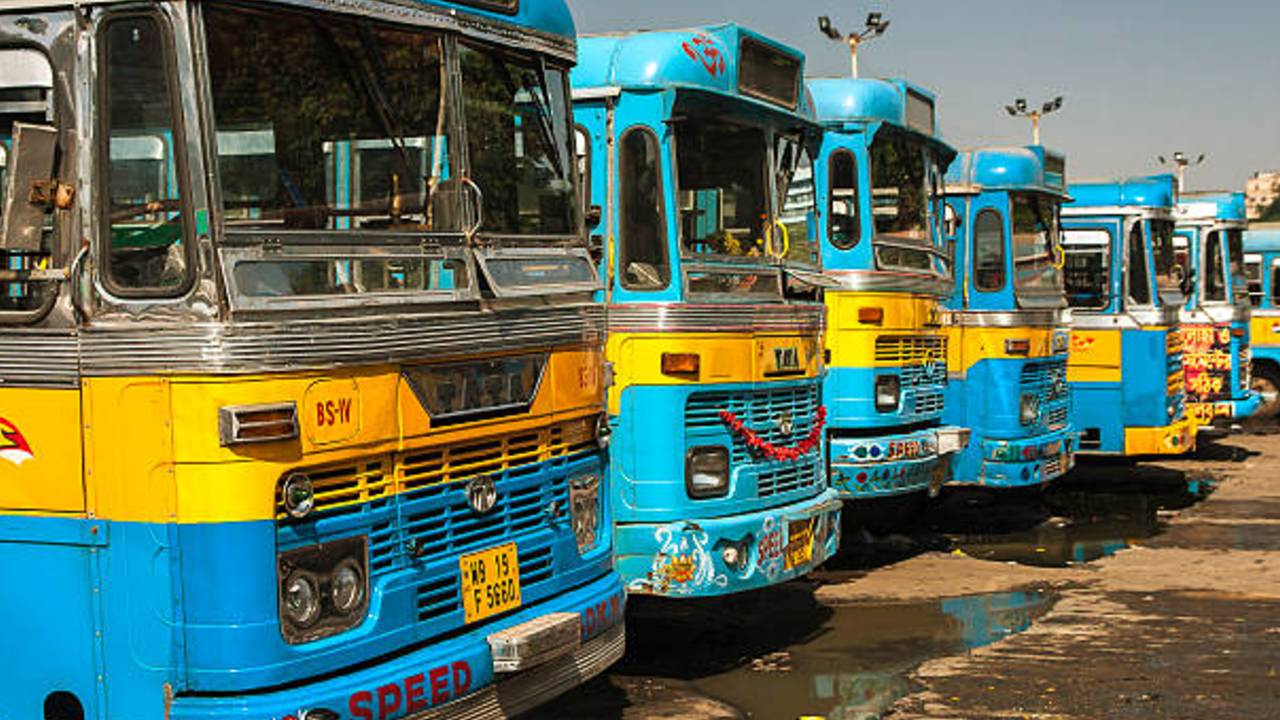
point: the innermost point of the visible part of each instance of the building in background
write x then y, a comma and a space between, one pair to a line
1261, 192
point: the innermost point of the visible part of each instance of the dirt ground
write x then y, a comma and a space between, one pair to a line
1144, 599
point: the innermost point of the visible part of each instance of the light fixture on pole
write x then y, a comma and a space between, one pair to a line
875, 27
1019, 108
1180, 162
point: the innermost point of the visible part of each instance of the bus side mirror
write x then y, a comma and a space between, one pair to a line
30, 190
593, 216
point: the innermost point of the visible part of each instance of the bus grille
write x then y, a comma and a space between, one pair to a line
1047, 381
765, 412
351, 485
910, 349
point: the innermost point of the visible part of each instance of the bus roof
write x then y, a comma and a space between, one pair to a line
546, 24
840, 101
1215, 206
1153, 191
1262, 239
727, 59
1032, 168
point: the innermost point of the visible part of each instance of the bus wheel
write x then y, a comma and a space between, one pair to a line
1266, 382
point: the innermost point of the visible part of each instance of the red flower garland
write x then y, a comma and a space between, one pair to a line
759, 445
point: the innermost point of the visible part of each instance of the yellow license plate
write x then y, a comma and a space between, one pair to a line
799, 543
490, 582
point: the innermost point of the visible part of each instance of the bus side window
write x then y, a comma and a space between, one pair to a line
988, 251
1214, 287
643, 255
1275, 283
1087, 268
842, 218
582, 154
1253, 276
148, 253
1136, 263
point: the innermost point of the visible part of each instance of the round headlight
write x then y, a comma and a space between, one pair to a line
346, 587
301, 599
299, 495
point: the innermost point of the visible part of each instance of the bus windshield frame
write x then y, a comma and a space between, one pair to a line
1035, 246
903, 204
374, 197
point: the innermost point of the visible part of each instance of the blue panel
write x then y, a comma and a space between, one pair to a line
1155, 191
850, 396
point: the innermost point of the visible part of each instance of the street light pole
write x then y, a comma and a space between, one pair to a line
1019, 108
875, 27
1180, 162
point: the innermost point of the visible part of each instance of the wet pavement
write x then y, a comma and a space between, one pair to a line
1149, 590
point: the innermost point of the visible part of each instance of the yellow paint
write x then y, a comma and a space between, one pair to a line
40, 453
154, 453
1264, 331
1094, 356
852, 344
966, 346
725, 358
1175, 439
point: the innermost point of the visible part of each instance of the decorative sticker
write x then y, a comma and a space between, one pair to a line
705, 50
13, 445
683, 564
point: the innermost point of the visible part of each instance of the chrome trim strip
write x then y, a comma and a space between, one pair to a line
892, 281
1147, 213
1260, 313
1130, 320
686, 317
44, 358
526, 690
1217, 313
312, 344
1005, 319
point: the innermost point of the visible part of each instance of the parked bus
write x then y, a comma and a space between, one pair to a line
697, 147
1262, 274
1008, 331
1208, 244
1125, 290
271, 454
880, 177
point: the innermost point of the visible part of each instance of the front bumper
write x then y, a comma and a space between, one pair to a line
878, 467
1175, 439
1023, 462
1222, 413
721, 556
452, 678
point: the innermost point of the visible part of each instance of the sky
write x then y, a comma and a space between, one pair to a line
1140, 78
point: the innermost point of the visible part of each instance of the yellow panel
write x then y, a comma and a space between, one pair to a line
1264, 331
853, 343
966, 346
1174, 439
129, 449
724, 358
1094, 356
40, 451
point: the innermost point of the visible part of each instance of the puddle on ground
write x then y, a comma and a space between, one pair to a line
855, 665
1081, 523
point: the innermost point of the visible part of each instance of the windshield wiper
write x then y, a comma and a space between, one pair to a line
544, 123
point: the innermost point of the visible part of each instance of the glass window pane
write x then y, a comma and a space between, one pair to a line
318, 277
519, 143
797, 202
842, 219
1035, 240
900, 186
147, 247
1215, 286
1275, 282
643, 256
1087, 268
1253, 279
724, 203
1169, 274
988, 251
345, 128
1139, 283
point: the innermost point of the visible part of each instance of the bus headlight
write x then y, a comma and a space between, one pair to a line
706, 472
323, 589
298, 495
888, 392
1028, 409
584, 511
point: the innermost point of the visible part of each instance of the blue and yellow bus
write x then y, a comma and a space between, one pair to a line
1208, 244
1007, 331
1125, 290
880, 177
267, 451
1262, 274
697, 146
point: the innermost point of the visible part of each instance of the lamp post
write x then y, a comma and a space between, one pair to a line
1180, 163
875, 27
1019, 108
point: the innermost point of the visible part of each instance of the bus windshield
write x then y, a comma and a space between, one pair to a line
1235, 263
905, 181
1213, 269
722, 188
1169, 275
1035, 247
